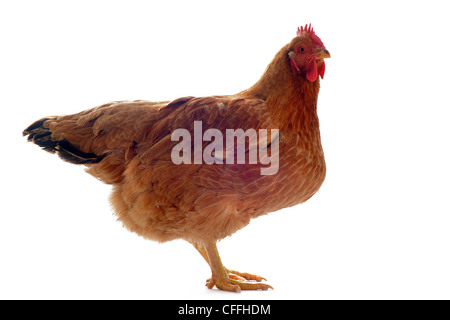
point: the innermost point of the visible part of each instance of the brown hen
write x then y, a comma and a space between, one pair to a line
130, 145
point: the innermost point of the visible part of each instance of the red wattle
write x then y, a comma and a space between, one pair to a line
322, 70
311, 74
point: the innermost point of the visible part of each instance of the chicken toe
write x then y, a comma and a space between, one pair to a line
242, 276
236, 284
229, 280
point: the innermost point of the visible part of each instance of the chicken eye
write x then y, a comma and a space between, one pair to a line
301, 50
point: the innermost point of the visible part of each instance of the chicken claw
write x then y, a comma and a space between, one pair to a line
228, 280
237, 281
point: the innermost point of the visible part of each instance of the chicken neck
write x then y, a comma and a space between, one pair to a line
290, 97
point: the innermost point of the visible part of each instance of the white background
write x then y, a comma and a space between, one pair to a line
378, 229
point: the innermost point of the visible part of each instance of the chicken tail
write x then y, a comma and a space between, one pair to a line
41, 135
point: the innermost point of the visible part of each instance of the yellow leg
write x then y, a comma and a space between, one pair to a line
225, 279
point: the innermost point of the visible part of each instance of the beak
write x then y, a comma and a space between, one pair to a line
322, 53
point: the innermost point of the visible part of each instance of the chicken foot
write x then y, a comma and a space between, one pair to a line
224, 279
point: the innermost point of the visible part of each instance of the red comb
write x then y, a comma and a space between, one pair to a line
310, 31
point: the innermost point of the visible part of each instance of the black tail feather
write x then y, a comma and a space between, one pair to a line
42, 136
69, 153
